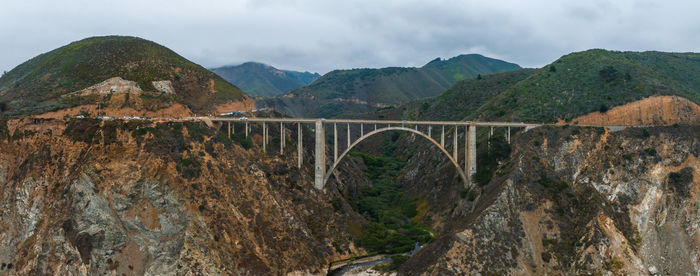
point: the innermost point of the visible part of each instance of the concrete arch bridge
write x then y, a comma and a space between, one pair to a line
436, 132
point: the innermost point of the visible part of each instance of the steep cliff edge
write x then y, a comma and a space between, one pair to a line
578, 201
99, 197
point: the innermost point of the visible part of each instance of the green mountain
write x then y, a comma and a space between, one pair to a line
593, 80
258, 79
40, 84
574, 85
344, 92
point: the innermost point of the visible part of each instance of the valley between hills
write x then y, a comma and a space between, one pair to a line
100, 174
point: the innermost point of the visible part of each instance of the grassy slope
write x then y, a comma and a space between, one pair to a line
387, 86
262, 80
573, 85
458, 102
582, 82
36, 85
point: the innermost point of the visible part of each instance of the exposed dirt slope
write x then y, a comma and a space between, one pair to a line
656, 110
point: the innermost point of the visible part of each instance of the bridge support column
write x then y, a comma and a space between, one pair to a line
455, 146
430, 128
264, 141
466, 151
229, 130
335, 142
442, 137
282, 138
488, 142
246, 129
348, 135
362, 129
320, 155
299, 148
508, 135
472, 151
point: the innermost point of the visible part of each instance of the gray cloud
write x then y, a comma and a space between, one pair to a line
319, 36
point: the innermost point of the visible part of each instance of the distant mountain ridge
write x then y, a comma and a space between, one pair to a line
48, 81
574, 85
258, 79
343, 92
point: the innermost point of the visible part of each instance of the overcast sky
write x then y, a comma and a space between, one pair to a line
321, 35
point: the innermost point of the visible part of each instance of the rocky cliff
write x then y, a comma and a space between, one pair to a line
113, 197
571, 201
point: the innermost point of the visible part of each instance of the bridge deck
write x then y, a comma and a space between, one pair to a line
379, 122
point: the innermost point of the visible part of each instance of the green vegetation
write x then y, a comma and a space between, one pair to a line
681, 182
489, 159
574, 85
594, 80
258, 79
37, 85
389, 86
390, 229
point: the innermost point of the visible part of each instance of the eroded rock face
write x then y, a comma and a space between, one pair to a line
113, 85
580, 201
107, 198
655, 110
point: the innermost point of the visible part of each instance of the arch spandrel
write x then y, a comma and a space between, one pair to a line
330, 171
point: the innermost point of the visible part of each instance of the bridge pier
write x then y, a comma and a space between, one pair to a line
466, 151
299, 148
442, 137
508, 135
455, 146
335, 142
264, 136
320, 155
282, 138
472, 151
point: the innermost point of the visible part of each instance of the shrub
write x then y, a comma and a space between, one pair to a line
608, 73
472, 195
482, 177
645, 133
463, 193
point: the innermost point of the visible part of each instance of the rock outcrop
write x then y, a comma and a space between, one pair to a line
575, 201
112, 197
655, 110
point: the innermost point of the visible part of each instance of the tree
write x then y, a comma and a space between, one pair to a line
552, 69
608, 73
603, 108
488, 160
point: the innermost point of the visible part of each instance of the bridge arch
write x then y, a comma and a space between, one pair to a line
330, 171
